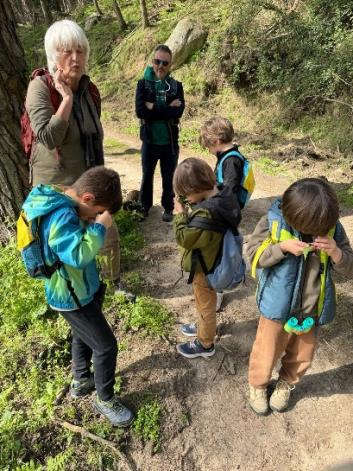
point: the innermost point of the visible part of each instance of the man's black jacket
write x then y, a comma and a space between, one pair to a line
161, 111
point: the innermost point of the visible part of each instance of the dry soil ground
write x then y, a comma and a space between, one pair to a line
207, 423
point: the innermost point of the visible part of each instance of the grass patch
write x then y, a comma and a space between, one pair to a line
113, 143
147, 424
269, 166
146, 315
130, 234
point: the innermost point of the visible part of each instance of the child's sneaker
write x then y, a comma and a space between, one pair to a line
280, 397
113, 410
194, 349
82, 388
190, 330
258, 400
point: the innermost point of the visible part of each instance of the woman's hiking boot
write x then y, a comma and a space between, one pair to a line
195, 349
115, 411
190, 330
258, 400
82, 388
280, 397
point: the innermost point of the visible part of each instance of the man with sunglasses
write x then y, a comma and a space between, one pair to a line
159, 105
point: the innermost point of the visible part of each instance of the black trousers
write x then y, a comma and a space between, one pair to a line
168, 160
93, 338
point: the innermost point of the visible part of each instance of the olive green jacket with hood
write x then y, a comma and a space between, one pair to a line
223, 208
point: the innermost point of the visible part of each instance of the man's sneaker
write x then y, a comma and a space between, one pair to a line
280, 396
82, 388
258, 400
219, 301
167, 216
113, 410
120, 289
194, 349
190, 330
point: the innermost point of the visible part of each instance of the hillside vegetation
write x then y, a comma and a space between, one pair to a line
274, 67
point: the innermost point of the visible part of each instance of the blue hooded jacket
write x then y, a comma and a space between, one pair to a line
66, 238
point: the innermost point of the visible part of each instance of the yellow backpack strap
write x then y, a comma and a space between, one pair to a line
258, 254
324, 264
275, 238
24, 232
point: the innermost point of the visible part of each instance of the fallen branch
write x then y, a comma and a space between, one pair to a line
62, 393
85, 433
219, 367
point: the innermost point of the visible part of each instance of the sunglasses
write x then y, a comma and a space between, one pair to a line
160, 62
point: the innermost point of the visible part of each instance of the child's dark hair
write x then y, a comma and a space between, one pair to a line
104, 184
216, 128
193, 176
311, 206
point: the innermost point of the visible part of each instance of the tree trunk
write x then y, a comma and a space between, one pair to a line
46, 12
13, 165
145, 22
99, 11
119, 15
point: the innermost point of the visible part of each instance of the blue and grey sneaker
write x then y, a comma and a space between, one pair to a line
113, 410
82, 388
194, 349
190, 330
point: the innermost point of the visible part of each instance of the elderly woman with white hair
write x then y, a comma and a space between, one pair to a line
69, 138
64, 111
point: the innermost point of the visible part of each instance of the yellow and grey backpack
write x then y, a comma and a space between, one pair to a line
29, 244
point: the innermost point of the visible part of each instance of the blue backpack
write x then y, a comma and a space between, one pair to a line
229, 268
247, 182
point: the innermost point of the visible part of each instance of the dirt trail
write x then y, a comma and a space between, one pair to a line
208, 425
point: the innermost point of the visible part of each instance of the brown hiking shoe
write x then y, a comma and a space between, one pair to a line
258, 400
280, 396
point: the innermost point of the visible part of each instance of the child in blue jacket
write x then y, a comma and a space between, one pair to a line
293, 250
72, 228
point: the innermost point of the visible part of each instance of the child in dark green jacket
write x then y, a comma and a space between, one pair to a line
198, 197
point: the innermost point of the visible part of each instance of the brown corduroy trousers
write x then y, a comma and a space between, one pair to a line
205, 299
273, 343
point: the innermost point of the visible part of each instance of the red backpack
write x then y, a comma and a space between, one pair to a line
27, 134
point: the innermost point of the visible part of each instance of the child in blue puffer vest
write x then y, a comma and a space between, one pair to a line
293, 250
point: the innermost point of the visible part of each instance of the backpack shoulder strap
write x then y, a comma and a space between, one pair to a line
173, 86
207, 224
232, 153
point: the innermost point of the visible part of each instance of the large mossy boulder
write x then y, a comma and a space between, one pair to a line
187, 38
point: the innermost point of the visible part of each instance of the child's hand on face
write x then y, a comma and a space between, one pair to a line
178, 206
329, 246
105, 218
293, 246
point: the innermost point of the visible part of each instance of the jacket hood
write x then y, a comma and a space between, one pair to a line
150, 75
224, 207
44, 199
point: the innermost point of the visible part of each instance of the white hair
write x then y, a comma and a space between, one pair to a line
64, 34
